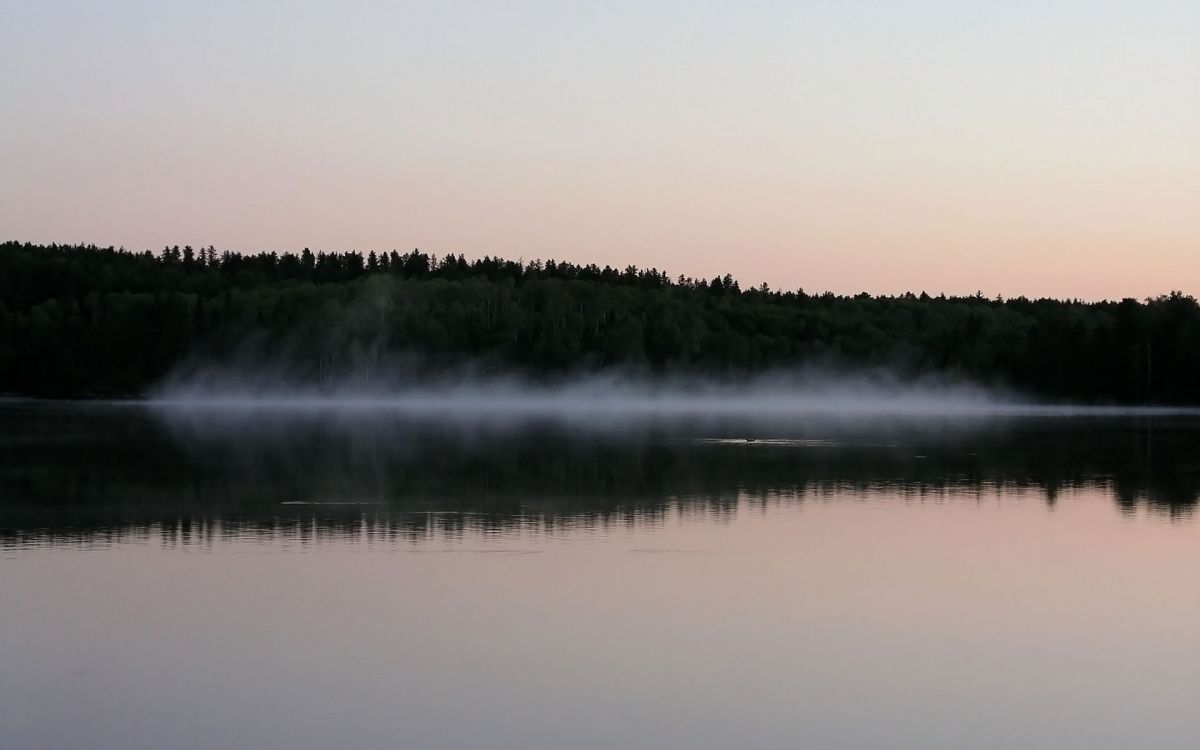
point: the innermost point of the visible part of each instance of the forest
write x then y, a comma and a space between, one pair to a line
87, 321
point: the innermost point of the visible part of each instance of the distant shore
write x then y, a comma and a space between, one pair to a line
91, 322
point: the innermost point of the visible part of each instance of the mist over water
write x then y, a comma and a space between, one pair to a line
824, 394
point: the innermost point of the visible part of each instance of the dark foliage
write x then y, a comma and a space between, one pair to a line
84, 320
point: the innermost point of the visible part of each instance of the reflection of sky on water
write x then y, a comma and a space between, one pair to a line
837, 619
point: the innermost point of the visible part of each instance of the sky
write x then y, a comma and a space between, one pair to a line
1013, 148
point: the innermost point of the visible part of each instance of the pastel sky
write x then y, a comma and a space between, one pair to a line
1017, 147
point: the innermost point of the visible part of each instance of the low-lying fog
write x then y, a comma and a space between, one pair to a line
778, 395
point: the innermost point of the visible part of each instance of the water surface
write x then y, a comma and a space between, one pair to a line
193, 578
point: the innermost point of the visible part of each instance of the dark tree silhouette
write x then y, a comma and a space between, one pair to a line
91, 321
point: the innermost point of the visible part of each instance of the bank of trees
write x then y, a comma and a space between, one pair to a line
84, 320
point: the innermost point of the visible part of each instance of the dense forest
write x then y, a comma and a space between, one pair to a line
91, 321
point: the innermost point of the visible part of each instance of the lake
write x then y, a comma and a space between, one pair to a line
271, 578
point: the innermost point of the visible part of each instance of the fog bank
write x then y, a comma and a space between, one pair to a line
777, 395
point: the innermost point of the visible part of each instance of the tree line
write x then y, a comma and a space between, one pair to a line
81, 320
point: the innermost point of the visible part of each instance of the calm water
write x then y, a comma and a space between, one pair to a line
175, 579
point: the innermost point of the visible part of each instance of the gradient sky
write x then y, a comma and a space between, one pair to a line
1009, 147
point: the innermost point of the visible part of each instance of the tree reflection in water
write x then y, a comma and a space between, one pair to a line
91, 473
